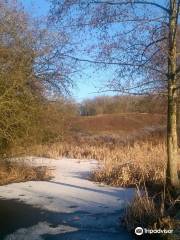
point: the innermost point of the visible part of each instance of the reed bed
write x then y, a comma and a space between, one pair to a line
11, 172
119, 165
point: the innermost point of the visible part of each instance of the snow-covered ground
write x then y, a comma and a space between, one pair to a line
74, 207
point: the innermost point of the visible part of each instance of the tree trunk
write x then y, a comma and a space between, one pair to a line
178, 114
172, 174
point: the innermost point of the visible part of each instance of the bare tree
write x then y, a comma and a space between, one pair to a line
136, 39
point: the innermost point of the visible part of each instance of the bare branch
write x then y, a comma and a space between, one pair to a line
133, 2
113, 63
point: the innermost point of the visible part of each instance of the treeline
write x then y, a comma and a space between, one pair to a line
29, 75
123, 104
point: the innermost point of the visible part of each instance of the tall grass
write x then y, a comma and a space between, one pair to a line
11, 172
124, 160
119, 165
146, 212
141, 163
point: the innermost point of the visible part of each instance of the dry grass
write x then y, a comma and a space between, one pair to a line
142, 212
147, 213
119, 165
11, 172
131, 165
130, 147
117, 123
126, 158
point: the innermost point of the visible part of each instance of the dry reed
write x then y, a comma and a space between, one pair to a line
11, 172
119, 165
150, 213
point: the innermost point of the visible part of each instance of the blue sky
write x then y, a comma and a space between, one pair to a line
87, 85
90, 81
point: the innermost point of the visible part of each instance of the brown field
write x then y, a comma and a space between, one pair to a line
130, 147
118, 123
118, 129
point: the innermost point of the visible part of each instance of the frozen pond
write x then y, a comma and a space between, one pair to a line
67, 207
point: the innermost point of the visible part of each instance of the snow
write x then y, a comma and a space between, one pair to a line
92, 210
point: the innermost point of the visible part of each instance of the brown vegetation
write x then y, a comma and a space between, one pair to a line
150, 212
131, 165
20, 171
131, 149
120, 124
123, 104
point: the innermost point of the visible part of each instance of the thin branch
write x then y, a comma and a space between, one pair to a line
133, 2
140, 85
152, 43
118, 91
112, 63
127, 92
